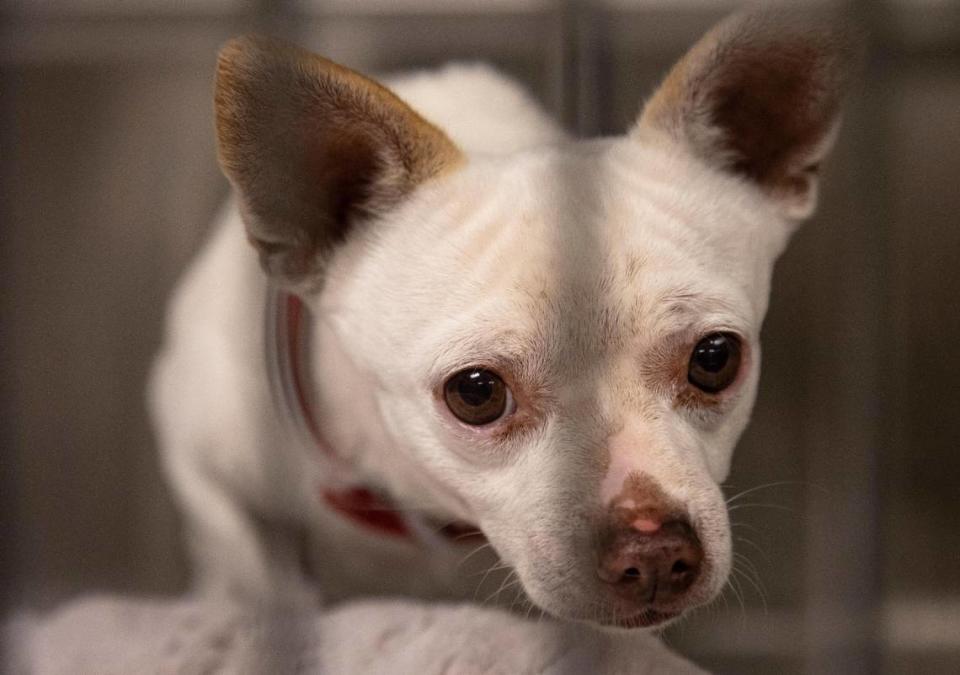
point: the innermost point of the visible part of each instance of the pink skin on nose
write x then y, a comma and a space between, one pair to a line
630, 457
617, 472
626, 457
645, 525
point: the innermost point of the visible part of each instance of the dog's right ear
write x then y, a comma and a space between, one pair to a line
312, 147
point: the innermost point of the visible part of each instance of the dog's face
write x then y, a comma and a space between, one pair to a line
532, 323
561, 344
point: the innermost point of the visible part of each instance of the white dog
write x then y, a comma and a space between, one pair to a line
475, 324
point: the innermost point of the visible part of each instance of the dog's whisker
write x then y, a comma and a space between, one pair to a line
713, 606
496, 567
495, 593
747, 563
756, 586
472, 553
493, 567
746, 526
734, 585
754, 577
753, 545
505, 587
765, 486
765, 505
722, 596
742, 563
509, 582
526, 614
518, 595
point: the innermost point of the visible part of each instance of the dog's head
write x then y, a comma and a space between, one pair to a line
560, 344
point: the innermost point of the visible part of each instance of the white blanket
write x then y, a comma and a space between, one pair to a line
106, 635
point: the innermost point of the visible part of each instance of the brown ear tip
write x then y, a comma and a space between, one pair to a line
237, 46
233, 55
832, 38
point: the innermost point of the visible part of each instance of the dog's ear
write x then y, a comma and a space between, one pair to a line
760, 96
312, 147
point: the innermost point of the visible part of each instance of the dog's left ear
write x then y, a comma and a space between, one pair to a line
312, 149
759, 96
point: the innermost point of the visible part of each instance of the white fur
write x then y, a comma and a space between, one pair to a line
707, 244
110, 636
230, 462
576, 264
508, 121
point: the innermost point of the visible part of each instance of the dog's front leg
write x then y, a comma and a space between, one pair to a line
235, 550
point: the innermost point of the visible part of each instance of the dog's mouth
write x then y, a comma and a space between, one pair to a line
604, 608
617, 616
647, 618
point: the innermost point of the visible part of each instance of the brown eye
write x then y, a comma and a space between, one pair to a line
477, 396
715, 362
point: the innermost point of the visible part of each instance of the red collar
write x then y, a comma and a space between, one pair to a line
288, 354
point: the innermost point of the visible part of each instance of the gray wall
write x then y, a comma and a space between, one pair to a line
109, 181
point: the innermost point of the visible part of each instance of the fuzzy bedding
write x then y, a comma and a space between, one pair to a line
106, 635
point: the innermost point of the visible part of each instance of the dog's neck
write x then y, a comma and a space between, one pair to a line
345, 487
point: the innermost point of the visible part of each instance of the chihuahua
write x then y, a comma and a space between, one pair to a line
430, 326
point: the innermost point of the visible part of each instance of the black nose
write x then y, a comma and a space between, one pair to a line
652, 564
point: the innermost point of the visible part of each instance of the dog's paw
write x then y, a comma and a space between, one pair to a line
407, 637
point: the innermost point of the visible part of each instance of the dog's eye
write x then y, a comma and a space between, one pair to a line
715, 362
477, 396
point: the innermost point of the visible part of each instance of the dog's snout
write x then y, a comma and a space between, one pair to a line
652, 562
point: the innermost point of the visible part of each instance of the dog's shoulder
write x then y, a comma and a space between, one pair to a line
219, 297
480, 108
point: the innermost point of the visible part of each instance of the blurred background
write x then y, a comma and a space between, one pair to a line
849, 548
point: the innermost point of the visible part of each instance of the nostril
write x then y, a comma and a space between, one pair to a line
684, 570
652, 567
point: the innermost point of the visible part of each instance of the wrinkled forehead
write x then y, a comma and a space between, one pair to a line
567, 253
583, 250
588, 209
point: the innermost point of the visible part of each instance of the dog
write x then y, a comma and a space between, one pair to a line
430, 326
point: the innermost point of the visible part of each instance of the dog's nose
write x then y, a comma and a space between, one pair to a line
652, 561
